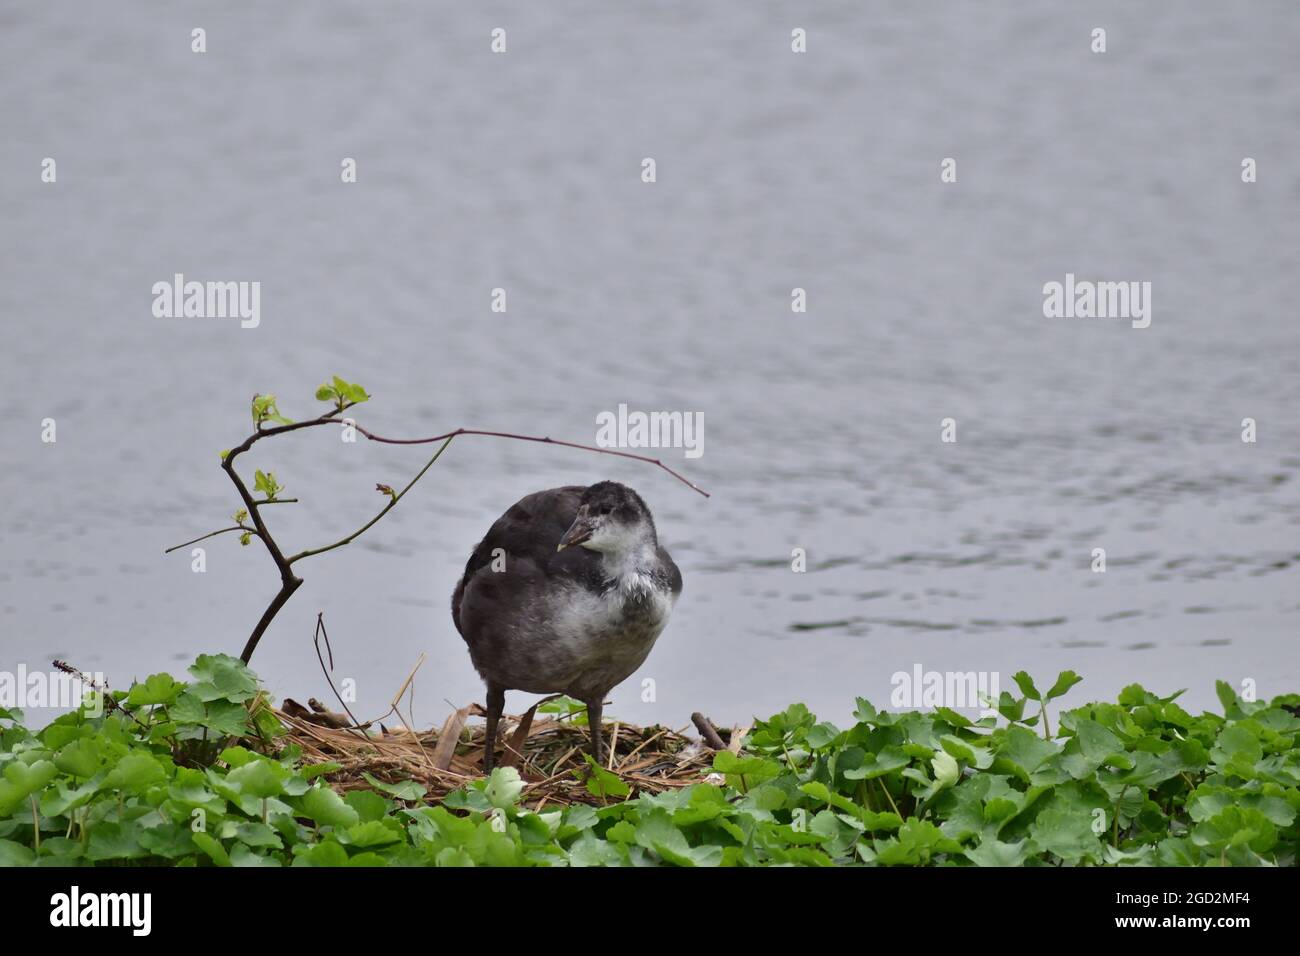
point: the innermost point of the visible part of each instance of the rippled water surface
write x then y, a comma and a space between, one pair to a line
821, 430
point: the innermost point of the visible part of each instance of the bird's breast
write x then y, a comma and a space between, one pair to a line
612, 623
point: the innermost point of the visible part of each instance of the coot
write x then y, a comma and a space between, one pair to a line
567, 593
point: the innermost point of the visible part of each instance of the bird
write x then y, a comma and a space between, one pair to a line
566, 593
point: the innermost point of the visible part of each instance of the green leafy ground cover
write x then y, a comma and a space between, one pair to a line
196, 773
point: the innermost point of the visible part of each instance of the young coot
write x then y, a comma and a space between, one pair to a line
567, 593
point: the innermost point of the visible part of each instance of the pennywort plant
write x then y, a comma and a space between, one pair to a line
198, 772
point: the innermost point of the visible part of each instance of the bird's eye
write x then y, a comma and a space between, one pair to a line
603, 510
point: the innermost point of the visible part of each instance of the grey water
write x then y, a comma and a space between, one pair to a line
775, 171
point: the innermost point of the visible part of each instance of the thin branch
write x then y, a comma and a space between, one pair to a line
392, 503
261, 432
287, 587
252, 508
708, 731
321, 632
211, 534
533, 438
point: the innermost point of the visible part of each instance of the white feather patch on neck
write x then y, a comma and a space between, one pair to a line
631, 571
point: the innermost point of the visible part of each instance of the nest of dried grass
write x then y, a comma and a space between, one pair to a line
548, 753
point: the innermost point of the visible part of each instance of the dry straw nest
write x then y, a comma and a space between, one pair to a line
548, 752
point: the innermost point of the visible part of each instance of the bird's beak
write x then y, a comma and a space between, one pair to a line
581, 529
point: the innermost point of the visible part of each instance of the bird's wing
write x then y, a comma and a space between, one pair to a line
529, 530
672, 571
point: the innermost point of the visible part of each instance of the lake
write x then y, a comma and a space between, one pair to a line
822, 429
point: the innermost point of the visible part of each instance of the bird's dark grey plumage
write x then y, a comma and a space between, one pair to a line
567, 593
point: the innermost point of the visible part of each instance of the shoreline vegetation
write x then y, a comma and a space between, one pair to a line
206, 771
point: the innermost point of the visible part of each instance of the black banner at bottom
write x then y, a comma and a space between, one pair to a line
282, 904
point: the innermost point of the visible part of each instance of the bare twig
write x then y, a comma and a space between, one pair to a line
707, 731
287, 587
210, 534
320, 632
317, 713
533, 438
392, 503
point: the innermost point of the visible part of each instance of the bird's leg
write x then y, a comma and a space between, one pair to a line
594, 708
496, 702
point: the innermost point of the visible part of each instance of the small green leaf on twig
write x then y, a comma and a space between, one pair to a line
245, 538
341, 392
265, 410
240, 516
265, 482
385, 490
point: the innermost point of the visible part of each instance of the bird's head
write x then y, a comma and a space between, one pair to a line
612, 519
